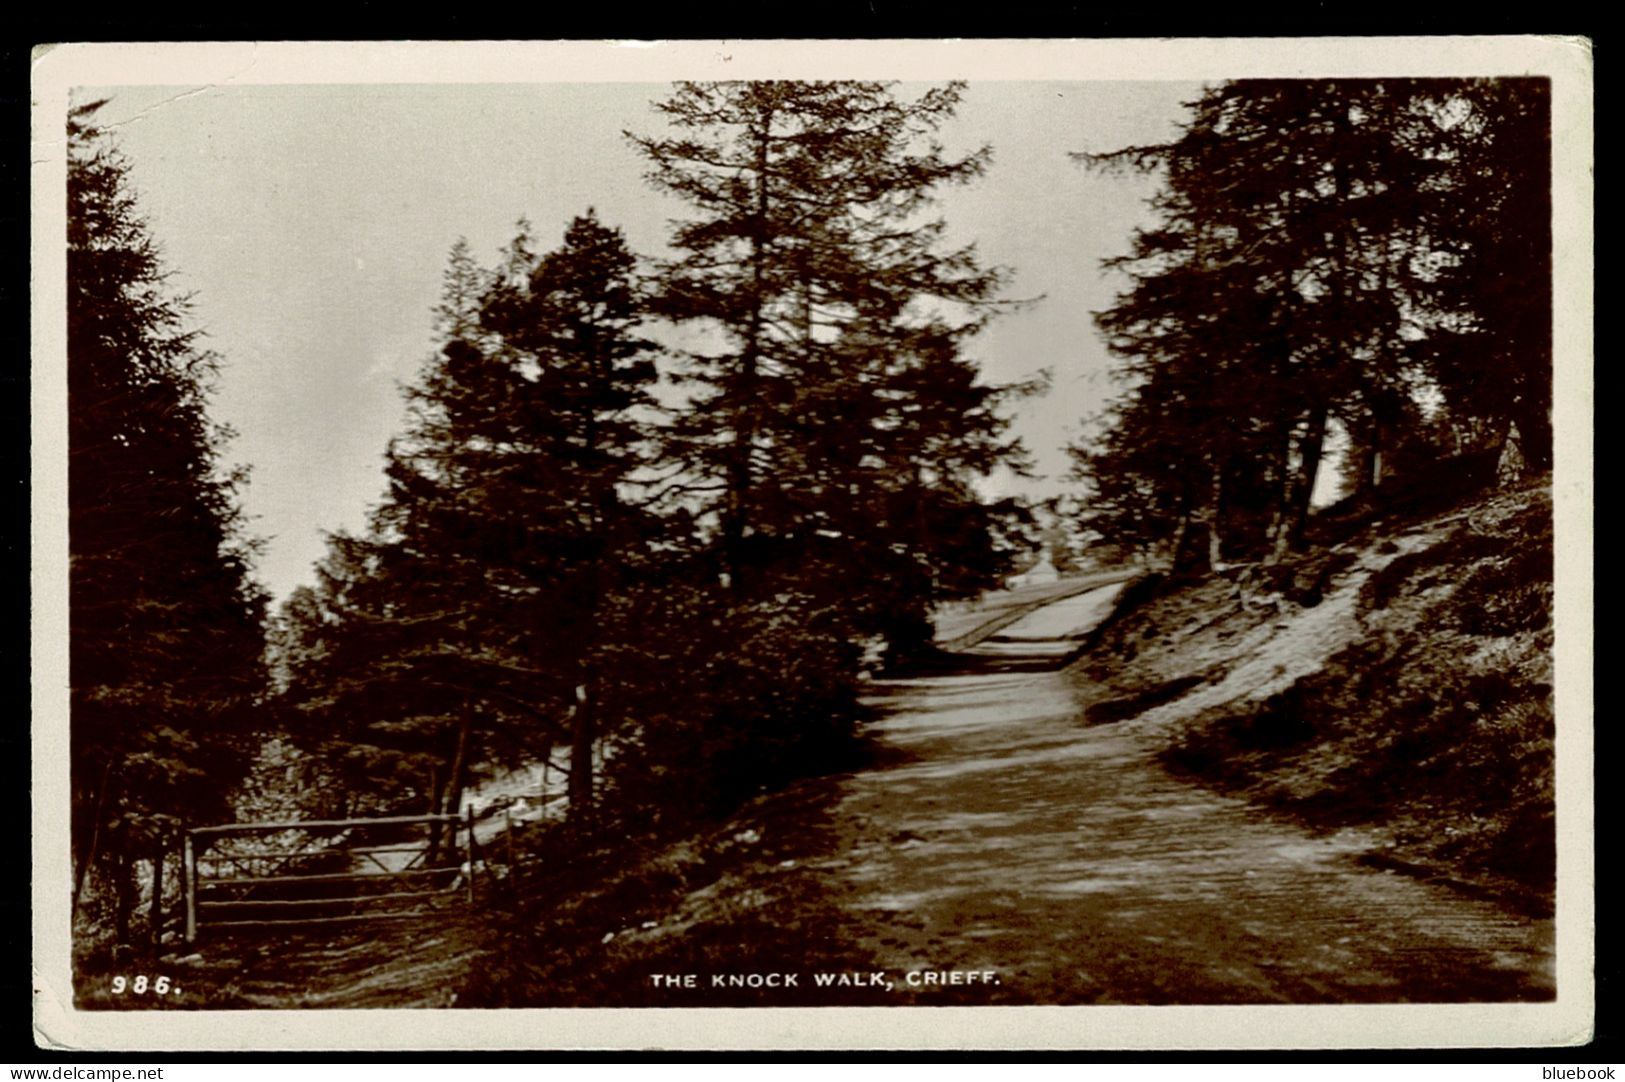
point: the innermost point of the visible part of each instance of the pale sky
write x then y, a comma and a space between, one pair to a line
312, 225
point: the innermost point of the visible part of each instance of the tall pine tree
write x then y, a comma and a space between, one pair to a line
165, 620
471, 624
837, 420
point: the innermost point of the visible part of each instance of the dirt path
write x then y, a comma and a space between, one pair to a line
1002, 834
961, 626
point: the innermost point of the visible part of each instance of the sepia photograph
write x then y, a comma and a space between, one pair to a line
539, 544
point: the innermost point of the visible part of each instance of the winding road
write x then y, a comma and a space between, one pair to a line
1000, 833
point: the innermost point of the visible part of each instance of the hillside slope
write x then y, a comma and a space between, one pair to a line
1401, 682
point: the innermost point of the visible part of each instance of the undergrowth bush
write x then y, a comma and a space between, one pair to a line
768, 692
1438, 721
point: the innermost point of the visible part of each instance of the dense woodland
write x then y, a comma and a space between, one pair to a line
1371, 252
680, 565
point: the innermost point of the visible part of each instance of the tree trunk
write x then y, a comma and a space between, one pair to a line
1282, 476
737, 524
123, 882
453, 793
459, 762
1181, 534
1364, 457
1214, 509
1534, 421
89, 856
1370, 475
155, 920
581, 746
1178, 542
1301, 485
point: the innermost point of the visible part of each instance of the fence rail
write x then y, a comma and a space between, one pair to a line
302, 883
324, 824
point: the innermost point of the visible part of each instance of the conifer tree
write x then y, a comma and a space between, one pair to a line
1325, 248
473, 617
165, 620
837, 424
1493, 358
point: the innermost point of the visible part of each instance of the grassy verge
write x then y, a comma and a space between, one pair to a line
598, 925
1433, 725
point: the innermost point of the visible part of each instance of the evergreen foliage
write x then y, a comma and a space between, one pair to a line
475, 616
165, 620
1348, 249
680, 594
836, 429
511, 596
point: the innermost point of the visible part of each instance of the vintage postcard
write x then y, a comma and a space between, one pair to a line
825, 544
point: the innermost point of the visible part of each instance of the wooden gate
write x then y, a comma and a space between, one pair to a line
326, 871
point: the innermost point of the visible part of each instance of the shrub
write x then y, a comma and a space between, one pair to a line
769, 693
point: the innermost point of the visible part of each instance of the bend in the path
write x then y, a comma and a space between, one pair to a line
1002, 834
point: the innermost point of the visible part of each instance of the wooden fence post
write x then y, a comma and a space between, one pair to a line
189, 885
